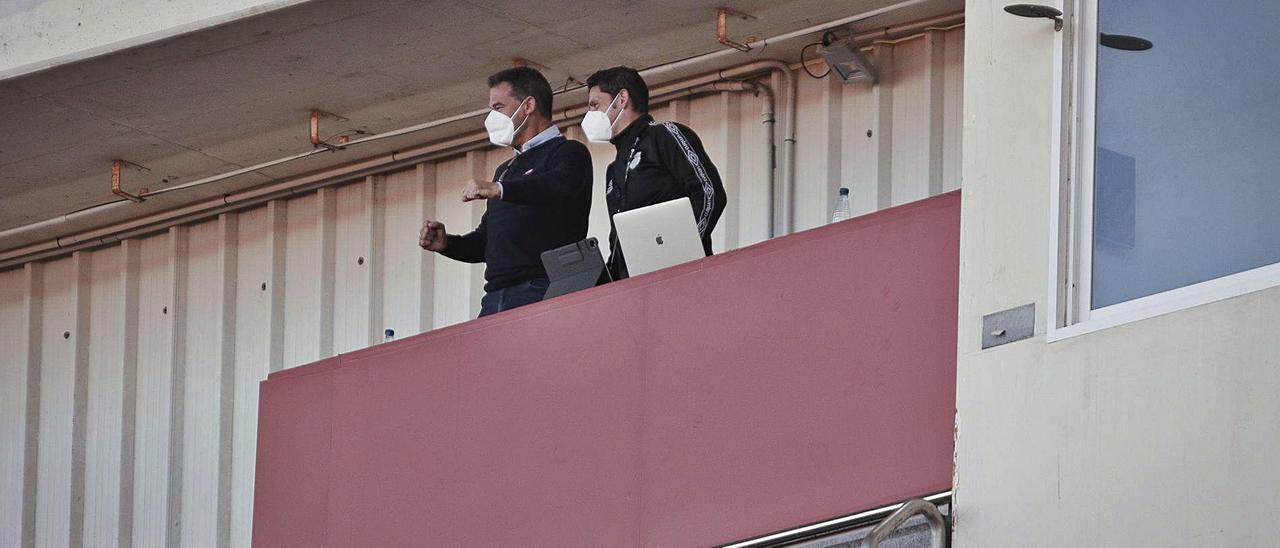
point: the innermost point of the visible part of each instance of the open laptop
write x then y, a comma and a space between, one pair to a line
658, 236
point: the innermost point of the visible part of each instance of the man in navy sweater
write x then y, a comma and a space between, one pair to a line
538, 200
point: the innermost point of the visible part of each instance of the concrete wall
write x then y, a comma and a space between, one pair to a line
1161, 432
38, 34
128, 380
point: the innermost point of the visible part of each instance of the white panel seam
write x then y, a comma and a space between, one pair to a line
129, 400
178, 258
34, 273
81, 294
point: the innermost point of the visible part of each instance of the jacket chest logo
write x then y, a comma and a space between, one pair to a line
635, 161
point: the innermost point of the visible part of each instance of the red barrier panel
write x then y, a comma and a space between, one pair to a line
785, 383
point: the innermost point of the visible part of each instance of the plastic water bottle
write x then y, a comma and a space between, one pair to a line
843, 211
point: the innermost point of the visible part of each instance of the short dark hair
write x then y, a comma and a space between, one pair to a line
526, 82
613, 80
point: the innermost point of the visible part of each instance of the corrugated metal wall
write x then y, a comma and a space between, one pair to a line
128, 374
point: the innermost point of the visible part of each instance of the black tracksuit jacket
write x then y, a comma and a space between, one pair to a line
546, 199
668, 163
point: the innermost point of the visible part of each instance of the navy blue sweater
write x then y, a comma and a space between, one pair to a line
546, 198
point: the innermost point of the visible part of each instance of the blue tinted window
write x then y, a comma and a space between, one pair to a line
1187, 171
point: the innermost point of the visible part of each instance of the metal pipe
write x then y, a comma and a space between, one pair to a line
783, 200
157, 221
658, 91
300, 185
686, 63
927, 28
383, 162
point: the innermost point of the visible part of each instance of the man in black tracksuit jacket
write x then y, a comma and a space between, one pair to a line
656, 161
539, 200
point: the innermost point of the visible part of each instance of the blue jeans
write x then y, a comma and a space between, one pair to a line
513, 297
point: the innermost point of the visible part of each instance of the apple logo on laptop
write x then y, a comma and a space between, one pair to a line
659, 239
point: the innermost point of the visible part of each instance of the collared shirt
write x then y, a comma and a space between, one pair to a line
546, 135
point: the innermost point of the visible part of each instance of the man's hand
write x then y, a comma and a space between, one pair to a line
432, 237
481, 190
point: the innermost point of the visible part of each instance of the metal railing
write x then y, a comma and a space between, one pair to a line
913, 507
834, 526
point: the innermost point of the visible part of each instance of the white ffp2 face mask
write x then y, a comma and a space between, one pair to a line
596, 124
502, 128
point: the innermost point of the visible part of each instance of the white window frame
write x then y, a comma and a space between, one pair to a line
1071, 211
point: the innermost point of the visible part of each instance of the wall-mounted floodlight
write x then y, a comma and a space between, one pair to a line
1036, 11
847, 61
1120, 41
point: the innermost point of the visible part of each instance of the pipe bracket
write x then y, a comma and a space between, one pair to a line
316, 141
722, 27
117, 166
